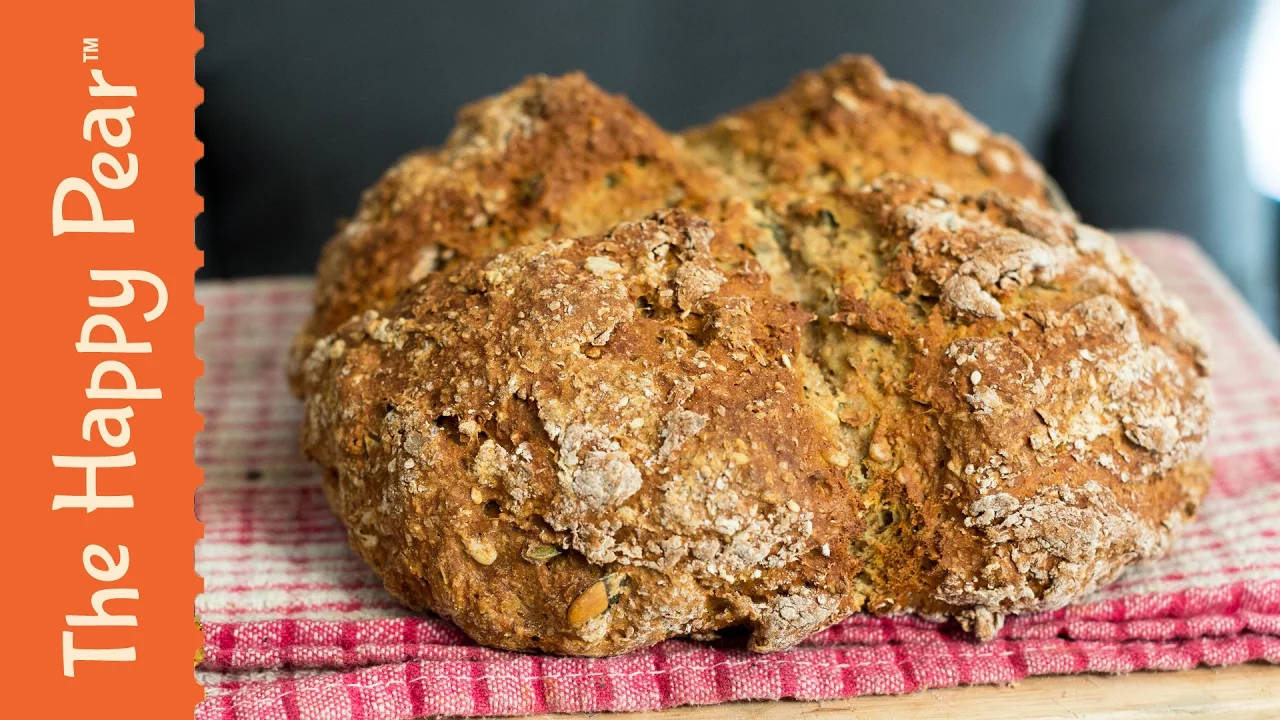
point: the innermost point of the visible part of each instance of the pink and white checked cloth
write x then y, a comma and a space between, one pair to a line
298, 627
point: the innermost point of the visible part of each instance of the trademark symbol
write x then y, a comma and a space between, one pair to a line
89, 49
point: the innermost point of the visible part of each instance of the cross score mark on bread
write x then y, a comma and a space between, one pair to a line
581, 385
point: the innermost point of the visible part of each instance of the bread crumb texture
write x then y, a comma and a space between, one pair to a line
580, 385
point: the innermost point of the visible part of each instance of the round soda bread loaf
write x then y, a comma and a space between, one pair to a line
760, 375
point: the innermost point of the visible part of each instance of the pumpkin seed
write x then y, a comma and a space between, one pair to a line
541, 553
597, 598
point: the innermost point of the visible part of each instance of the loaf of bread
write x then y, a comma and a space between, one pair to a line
581, 386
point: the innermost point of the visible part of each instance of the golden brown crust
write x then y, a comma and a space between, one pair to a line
849, 123
558, 157
850, 389
619, 409
1027, 409
552, 157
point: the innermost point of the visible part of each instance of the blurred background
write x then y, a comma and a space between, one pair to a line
1150, 113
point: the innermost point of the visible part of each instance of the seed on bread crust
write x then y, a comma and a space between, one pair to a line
597, 598
541, 553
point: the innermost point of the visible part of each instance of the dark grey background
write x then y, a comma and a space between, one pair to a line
1132, 104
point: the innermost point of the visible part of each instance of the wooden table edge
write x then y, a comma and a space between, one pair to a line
1239, 692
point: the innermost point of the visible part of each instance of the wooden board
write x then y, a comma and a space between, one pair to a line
1240, 692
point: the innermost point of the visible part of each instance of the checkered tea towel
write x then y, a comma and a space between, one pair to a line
297, 627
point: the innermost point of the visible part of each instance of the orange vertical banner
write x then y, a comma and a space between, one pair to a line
97, 358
